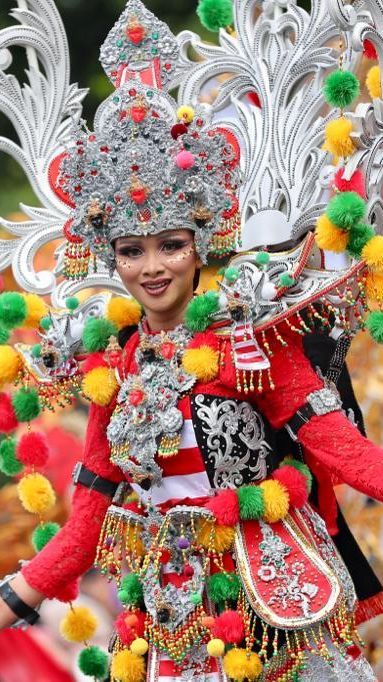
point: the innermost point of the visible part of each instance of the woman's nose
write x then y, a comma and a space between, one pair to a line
153, 263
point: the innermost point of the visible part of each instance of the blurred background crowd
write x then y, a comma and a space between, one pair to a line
44, 654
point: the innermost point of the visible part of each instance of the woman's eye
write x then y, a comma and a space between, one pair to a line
169, 247
130, 251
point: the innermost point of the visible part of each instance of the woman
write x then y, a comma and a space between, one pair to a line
224, 571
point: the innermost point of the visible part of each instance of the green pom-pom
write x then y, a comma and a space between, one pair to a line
9, 464
36, 350
72, 303
231, 274
262, 258
131, 590
97, 333
302, 468
94, 662
346, 209
358, 237
374, 324
286, 280
46, 323
199, 311
341, 88
26, 404
215, 14
13, 309
223, 586
195, 598
43, 534
4, 334
251, 502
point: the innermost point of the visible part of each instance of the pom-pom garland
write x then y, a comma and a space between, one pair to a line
97, 333
374, 324
36, 493
10, 364
212, 536
302, 468
123, 312
329, 237
240, 665
26, 403
100, 385
346, 209
200, 309
358, 237
128, 667
229, 627
8, 420
202, 362
139, 646
295, 483
4, 334
72, 303
338, 139
36, 310
356, 183
251, 502
94, 662
215, 14
131, 591
374, 286
13, 309
372, 253
340, 88
225, 507
216, 647
9, 464
43, 534
78, 625
276, 499
223, 587
373, 83
33, 449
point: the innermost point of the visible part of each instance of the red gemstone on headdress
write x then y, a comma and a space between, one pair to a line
144, 216
167, 191
77, 188
92, 138
104, 149
138, 195
177, 130
93, 172
199, 122
136, 397
209, 167
135, 168
138, 114
168, 66
123, 114
135, 33
165, 556
132, 92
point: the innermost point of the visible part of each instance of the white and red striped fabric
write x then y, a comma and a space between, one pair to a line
248, 354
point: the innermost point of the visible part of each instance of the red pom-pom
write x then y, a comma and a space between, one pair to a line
295, 482
8, 420
69, 592
228, 626
178, 129
93, 361
33, 449
128, 633
355, 184
225, 507
185, 160
204, 339
369, 50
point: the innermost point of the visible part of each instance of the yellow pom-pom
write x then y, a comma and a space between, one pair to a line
203, 362
36, 493
128, 667
337, 136
276, 501
373, 83
240, 665
78, 625
216, 648
36, 310
185, 114
124, 312
329, 237
210, 535
10, 364
139, 646
374, 286
372, 253
100, 385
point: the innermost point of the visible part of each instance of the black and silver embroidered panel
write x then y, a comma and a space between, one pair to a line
234, 440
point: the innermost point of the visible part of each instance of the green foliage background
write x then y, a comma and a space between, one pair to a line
87, 22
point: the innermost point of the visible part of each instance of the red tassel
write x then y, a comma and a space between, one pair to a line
369, 50
369, 608
69, 592
229, 627
225, 507
33, 449
8, 420
295, 482
355, 184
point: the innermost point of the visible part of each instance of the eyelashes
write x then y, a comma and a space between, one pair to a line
168, 247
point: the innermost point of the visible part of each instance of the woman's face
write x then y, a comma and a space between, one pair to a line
158, 271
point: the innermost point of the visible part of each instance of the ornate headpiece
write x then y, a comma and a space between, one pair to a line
147, 166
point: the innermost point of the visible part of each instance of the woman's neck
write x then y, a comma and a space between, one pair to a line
160, 321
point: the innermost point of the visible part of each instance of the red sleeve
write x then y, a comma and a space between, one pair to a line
332, 445
72, 551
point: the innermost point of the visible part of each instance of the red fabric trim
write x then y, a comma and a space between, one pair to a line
188, 501
187, 461
369, 608
169, 668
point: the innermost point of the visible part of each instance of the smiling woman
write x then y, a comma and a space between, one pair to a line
159, 271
